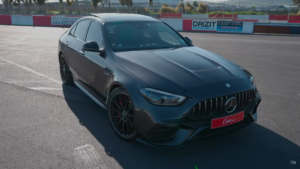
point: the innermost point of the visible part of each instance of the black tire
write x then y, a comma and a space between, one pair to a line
65, 73
121, 115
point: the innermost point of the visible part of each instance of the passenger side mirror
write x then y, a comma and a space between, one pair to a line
93, 46
102, 52
188, 39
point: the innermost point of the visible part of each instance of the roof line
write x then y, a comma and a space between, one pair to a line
95, 14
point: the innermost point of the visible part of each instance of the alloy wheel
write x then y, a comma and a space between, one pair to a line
121, 115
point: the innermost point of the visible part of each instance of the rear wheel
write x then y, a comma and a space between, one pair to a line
121, 114
65, 73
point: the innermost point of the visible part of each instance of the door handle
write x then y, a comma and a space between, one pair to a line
82, 52
66, 43
107, 71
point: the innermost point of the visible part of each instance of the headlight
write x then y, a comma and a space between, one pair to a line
249, 75
252, 80
162, 98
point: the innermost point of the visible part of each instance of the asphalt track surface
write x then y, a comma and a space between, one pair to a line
44, 124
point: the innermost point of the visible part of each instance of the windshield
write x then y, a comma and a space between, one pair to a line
125, 36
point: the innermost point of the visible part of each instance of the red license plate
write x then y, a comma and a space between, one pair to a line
225, 121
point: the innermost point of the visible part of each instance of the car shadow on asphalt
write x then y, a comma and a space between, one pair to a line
252, 147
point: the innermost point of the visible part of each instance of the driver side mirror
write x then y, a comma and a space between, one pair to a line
93, 46
188, 39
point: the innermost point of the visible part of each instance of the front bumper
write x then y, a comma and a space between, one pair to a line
171, 126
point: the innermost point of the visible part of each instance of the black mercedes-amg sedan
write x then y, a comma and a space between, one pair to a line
155, 85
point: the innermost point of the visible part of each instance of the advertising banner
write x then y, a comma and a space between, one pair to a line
229, 26
204, 25
62, 20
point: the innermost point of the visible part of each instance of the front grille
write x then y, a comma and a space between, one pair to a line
216, 106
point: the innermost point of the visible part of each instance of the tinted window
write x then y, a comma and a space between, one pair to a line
73, 30
81, 29
142, 35
94, 34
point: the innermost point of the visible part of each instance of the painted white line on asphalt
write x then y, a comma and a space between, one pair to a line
32, 71
86, 157
281, 64
28, 50
44, 88
21, 81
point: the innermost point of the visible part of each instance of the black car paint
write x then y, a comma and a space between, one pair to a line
202, 76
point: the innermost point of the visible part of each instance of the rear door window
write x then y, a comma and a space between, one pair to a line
73, 30
81, 29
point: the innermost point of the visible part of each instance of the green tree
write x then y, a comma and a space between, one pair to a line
180, 8
296, 2
166, 9
40, 2
202, 8
195, 4
150, 2
69, 2
27, 3
107, 2
95, 2
188, 7
7, 3
126, 2
15, 4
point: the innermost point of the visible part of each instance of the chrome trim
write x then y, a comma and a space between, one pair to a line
199, 107
246, 100
90, 95
242, 99
221, 104
216, 105
236, 101
239, 100
205, 108
234, 106
210, 106
194, 111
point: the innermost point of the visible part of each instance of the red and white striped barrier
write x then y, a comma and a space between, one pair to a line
241, 24
176, 24
39, 20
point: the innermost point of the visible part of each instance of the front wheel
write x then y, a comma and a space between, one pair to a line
121, 114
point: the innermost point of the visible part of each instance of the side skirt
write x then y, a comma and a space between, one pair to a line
90, 95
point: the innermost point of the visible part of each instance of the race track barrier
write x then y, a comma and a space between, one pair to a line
253, 17
174, 23
218, 26
21, 20
5, 19
221, 16
63, 21
42, 20
195, 16
271, 29
240, 24
171, 15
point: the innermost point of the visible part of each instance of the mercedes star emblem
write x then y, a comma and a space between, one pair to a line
230, 105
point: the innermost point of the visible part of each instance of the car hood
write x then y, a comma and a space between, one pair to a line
179, 70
